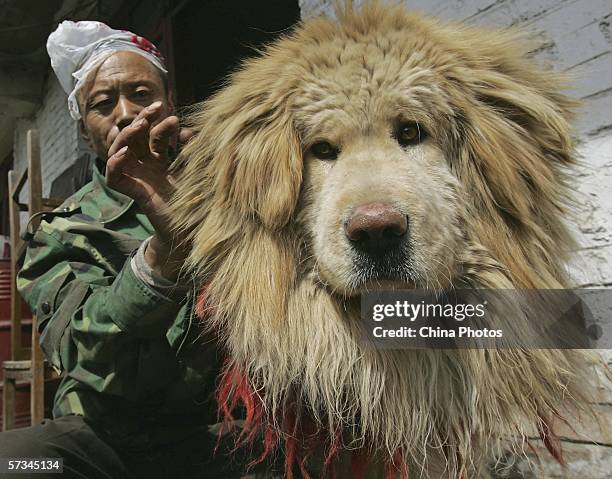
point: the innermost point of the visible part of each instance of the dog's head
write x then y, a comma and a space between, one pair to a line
381, 148
397, 144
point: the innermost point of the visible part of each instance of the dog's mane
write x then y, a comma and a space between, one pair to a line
510, 130
239, 184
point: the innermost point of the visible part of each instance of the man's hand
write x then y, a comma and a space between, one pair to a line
137, 166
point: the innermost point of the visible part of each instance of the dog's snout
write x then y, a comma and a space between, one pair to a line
376, 228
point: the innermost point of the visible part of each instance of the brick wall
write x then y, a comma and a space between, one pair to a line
60, 144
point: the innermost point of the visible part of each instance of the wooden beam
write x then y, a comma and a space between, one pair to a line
37, 389
15, 246
34, 176
18, 185
8, 404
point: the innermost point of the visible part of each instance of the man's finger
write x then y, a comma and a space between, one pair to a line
116, 164
185, 135
162, 134
151, 113
136, 134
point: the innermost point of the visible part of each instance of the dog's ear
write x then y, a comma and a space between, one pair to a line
518, 124
515, 149
267, 164
246, 154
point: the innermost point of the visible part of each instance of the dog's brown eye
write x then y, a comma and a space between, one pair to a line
409, 134
324, 151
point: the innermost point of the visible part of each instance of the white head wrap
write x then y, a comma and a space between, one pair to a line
76, 48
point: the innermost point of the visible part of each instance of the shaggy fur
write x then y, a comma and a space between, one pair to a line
485, 191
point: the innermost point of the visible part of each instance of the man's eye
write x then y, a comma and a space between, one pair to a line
408, 134
101, 104
324, 151
142, 94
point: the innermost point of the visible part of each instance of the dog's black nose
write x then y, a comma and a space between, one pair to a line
376, 228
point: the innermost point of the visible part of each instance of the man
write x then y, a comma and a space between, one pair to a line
102, 275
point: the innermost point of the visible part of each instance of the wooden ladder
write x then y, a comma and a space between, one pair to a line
26, 364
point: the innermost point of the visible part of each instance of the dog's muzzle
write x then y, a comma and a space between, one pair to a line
376, 229
379, 237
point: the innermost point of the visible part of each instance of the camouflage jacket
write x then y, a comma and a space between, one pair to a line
134, 361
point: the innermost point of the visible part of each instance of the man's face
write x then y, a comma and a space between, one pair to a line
118, 91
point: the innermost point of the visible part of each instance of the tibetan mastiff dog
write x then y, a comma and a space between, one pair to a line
379, 149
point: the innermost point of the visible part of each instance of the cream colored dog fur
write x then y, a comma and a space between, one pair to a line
484, 186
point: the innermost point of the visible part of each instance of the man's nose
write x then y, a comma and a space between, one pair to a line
125, 112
